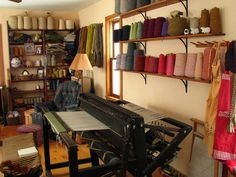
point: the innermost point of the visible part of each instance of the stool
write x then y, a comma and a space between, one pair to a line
36, 129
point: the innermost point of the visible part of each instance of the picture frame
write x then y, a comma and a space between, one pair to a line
38, 50
40, 73
29, 48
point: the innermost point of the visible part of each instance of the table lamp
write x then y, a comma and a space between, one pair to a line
80, 63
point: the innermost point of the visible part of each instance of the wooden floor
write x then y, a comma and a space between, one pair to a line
58, 152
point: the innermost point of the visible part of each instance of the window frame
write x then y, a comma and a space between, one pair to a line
111, 20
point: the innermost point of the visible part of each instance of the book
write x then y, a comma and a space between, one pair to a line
26, 152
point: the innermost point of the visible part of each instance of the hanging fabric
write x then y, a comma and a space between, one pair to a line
98, 45
212, 101
82, 40
89, 43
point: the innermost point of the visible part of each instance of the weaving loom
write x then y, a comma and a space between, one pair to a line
131, 139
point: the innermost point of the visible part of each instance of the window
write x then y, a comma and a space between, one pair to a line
113, 76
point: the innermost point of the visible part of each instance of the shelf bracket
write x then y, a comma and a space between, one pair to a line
144, 77
144, 14
144, 46
185, 6
185, 82
185, 42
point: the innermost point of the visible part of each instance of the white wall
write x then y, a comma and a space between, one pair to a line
165, 95
4, 15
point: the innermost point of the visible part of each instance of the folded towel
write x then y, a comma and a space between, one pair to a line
198, 67
123, 6
180, 63
208, 57
190, 64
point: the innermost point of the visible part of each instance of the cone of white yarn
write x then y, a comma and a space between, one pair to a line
50, 23
69, 24
27, 22
61, 24
20, 24
42, 23
34, 23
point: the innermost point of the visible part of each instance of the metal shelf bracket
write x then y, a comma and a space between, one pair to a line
144, 46
185, 6
144, 77
185, 82
185, 42
144, 14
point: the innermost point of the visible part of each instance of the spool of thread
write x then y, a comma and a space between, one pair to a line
62, 24
170, 63
118, 61
180, 63
34, 23
162, 64
20, 23
146, 63
123, 6
42, 23
140, 63
153, 64
205, 18
215, 20
131, 4
69, 24
27, 22
194, 22
177, 26
50, 23
139, 30
123, 61
190, 64
198, 67
117, 6
145, 28
126, 31
12, 22
150, 30
164, 31
137, 52
158, 26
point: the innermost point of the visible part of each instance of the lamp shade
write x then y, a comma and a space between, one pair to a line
81, 62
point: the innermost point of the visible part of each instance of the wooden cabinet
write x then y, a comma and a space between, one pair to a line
39, 62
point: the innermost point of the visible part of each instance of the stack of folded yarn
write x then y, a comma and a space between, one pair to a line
192, 65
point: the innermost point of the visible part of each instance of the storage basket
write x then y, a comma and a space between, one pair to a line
13, 120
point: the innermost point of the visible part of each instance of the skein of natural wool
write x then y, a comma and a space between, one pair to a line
215, 20
205, 18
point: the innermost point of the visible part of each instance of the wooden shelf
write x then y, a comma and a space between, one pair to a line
149, 7
30, 67
173, 37
22, 43
58, 66
26, 80
173, 77
61, 78
19, 92
25, 30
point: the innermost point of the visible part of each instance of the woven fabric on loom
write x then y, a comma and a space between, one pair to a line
190, 64
170, 63
162, 64
198, 67
180, 63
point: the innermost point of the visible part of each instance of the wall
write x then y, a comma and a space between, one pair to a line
5, 13
164, 95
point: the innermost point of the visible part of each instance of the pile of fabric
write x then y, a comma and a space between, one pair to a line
91, 42
220, 134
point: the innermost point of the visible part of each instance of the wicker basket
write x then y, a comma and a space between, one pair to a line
25, 77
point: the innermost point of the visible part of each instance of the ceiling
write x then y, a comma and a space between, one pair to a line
52, 5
